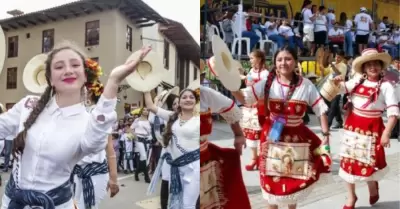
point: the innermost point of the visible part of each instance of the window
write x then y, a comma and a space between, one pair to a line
12, 78
92, 33
13, 46
48, 40
128, 38
187, 72
195, 70
95, 59
9, 105
166, 54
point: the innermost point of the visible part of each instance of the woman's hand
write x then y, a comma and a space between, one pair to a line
385, 140
121, 72
337, 79
113, 187
239, 143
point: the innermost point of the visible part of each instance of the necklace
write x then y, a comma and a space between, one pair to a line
182, 122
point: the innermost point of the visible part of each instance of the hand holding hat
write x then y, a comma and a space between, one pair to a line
121, 72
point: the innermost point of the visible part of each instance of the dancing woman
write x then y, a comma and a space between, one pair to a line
291, 160
56, 131
253, 114
142, 131
181, 141
365, 135
95, 173
171, 103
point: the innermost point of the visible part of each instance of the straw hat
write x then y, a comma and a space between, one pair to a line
2, 49
148, 74
224, 66
34, 75
164, 94
370, 55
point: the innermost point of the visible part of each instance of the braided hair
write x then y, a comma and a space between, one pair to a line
271, 76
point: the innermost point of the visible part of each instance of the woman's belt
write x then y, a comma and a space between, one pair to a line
176, 198
49, 200
85, 175
367, 113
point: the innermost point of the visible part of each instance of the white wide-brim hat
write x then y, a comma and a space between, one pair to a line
148, 74
370, 55
224, 65
2, 49
34, 75
194, 84
165, 94
211, 65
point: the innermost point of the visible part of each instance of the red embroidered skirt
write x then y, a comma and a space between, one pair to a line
284, 175
222, 183
358, 128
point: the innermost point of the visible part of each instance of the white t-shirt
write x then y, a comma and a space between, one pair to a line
285, 30
331, 17
349, 25
241, 27
320, 23
381, 26
396, 39
337, 32
273, 31
307, 14
363, 21
372, 38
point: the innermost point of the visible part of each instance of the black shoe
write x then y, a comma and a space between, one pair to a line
137, 177
338, 126
125, 171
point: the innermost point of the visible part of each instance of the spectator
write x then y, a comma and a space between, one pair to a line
320, 31
383, 25
271, 27
331, 18
287, 33
244, 29
364, 24
308, 21
227, 28
391, 43
348, 37
336, 37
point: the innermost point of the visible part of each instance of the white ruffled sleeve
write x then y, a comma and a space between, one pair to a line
254, 93
219, 103
391, 99
315, 101
10, 120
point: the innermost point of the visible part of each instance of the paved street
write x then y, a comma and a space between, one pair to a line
130, 196
331, 195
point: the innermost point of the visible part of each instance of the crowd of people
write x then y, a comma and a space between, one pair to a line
312, 27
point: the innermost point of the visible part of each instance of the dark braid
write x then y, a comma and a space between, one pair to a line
268, 84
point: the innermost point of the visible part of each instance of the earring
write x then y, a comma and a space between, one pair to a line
365, 76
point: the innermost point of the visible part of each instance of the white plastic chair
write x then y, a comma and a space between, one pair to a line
236, 40
212, 30
274, 46
222, 31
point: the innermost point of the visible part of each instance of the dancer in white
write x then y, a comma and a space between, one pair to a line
181, 139
127, 138
56, 131
93, 175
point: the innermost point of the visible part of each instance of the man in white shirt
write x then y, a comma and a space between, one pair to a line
246, 32
364, 25
336, 36
391, 43
272, 32
382, 25
331, 18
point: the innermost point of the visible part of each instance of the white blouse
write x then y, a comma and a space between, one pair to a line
59, 138
305, 91
387, 99
218, 103
141, 128
187, 135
